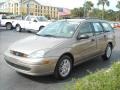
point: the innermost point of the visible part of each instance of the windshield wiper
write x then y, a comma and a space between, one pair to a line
46, 35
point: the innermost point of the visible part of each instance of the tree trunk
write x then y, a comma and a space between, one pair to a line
103, 11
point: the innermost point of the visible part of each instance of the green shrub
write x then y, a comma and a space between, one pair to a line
101, 80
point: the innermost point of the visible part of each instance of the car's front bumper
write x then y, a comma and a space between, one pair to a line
21, 65
2, 25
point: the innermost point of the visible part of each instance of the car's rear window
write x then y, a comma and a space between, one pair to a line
107, 27
98, 28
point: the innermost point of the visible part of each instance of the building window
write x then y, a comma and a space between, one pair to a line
8, 4
31, 13
36, 6
35, 14
17, 4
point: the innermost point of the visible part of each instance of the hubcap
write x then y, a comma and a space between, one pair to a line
17, 28
65, 67
109, 51
9, 26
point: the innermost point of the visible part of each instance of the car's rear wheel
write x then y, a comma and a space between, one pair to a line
8, 26
108, 52
18, 28
63, 67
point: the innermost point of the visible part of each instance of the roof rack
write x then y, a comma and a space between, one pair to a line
87, 18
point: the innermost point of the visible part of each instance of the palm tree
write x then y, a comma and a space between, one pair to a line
103, 3
88, 6
77, 12
118, 6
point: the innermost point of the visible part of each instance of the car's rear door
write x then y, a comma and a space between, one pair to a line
27, 23
100, 36
109, 32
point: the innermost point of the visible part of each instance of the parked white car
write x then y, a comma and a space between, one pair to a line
31, 23
4, 22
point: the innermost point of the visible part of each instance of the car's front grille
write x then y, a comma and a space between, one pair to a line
18, 66
16, 53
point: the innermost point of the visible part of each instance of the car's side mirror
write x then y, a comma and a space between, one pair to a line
34, 20
82, 37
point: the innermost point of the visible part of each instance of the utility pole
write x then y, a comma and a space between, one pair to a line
20, 7
28, 8
84, 8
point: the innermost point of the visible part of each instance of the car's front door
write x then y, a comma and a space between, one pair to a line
27, 23
85, 47
34, 24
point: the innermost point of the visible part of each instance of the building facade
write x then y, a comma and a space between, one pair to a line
32, 7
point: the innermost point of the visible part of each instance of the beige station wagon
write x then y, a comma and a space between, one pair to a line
60, 46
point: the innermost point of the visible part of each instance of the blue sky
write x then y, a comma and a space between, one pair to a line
76, 3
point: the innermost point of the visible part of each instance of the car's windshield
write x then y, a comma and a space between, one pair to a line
42, 18
19, 18
59, 29
4, 17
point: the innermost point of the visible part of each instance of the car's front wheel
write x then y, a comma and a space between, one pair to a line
108, 52
8, 26
18, 28
63, 67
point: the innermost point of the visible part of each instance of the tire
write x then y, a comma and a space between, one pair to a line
8, 26
108, 52
29, 31
63, 67
18, 28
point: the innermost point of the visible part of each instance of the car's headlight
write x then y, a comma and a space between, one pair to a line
37, 54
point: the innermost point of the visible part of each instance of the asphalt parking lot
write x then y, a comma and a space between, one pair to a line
11, 80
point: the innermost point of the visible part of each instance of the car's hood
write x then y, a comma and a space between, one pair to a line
35, 43
44, 23
8, 19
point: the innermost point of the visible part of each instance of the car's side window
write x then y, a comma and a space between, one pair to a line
86, 29
41, 19
98, 28
33, 19
107, 27
28, 19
